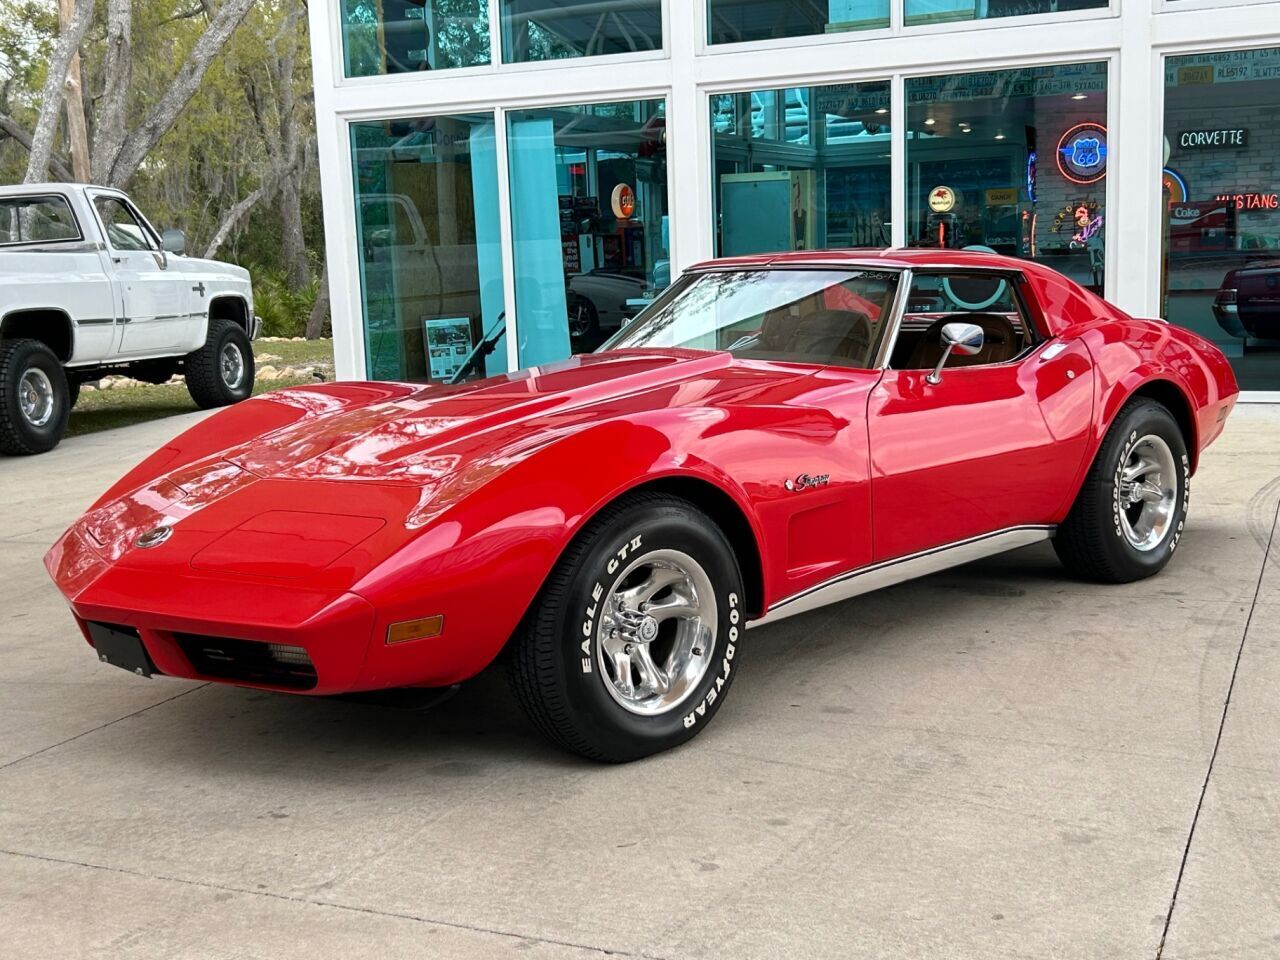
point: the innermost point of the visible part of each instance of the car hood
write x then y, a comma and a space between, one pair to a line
425, 433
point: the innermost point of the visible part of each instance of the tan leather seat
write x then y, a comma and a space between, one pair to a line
1000, 342
817, 335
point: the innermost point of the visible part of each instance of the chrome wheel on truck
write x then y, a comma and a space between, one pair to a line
34, 398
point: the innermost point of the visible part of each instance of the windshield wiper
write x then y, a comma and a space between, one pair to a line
488, 343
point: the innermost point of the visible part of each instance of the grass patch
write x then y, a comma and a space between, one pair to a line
125, 406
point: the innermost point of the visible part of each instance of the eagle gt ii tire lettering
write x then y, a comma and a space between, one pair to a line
632, 644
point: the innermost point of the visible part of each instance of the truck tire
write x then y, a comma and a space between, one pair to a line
633, 642
1129, 515
34, 400
221, 372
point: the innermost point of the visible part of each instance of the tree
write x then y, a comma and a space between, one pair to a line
202, 109
119, 151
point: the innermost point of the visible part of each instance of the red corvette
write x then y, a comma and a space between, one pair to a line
772, 434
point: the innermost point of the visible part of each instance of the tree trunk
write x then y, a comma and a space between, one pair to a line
111, 123
51, 97
77, 131
12, 129
118, 170
319, 312
232, 219
293, 246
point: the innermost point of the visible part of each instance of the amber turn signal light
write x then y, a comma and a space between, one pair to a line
408, 630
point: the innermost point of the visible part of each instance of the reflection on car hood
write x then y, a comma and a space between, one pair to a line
423, 433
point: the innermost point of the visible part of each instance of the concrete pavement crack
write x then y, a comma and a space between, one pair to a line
306, 901
101, 726
1222, 723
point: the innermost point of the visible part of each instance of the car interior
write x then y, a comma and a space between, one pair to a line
838, 327
985, 300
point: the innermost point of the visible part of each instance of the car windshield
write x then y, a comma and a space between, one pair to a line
826, 316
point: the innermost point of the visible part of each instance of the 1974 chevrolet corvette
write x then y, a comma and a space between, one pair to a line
772, 434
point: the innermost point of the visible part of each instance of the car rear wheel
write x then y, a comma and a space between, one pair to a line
1129, 515
221, 372
34, 400
633, 642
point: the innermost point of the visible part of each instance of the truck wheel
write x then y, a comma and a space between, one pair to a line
73, 392
221, 372
633, 642
1130, 512
34, 401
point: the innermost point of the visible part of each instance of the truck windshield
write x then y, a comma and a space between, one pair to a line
825, 316
36, 220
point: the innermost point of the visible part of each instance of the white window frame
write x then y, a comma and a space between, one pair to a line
1131, 36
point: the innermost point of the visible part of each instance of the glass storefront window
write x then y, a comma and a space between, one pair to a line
1013, 161
740, 21
801, 169
556, 29
919, 12
426, 193
589, 220
1221, 273
406, 36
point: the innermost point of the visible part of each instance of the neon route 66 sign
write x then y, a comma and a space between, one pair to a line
1082, 153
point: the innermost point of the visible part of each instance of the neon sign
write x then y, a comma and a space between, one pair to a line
1082, 153
1250, 201
1174, 185
1031, 175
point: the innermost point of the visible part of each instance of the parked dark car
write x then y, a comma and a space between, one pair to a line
1248, 302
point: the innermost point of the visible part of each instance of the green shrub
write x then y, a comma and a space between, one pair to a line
284, 313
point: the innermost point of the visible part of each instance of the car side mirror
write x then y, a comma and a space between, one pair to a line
965, 339
173, 241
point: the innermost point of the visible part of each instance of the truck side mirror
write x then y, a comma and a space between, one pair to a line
173, 241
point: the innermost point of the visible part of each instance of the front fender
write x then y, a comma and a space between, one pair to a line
494, 532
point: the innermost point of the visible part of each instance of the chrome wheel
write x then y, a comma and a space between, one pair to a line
35, 397
1146, 492
657, 632
231, 364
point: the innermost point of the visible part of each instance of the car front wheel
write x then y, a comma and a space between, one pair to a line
1129, 515
634, 640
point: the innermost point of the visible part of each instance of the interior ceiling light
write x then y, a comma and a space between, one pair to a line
999, 136
882, 110
930, 122
1079, 96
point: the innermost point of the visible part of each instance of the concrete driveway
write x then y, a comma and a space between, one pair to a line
994, 762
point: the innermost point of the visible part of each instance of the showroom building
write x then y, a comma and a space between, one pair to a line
508, 181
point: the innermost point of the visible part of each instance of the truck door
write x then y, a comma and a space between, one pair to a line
154, 298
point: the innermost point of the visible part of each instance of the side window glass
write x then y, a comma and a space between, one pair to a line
36, 220
985, 300
124, 232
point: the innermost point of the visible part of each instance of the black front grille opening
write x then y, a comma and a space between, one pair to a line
249, 661
117, 627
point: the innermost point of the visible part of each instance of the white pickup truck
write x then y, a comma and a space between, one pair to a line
89, 288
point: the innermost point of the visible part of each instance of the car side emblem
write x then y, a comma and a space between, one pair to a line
153, 537
806, 482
